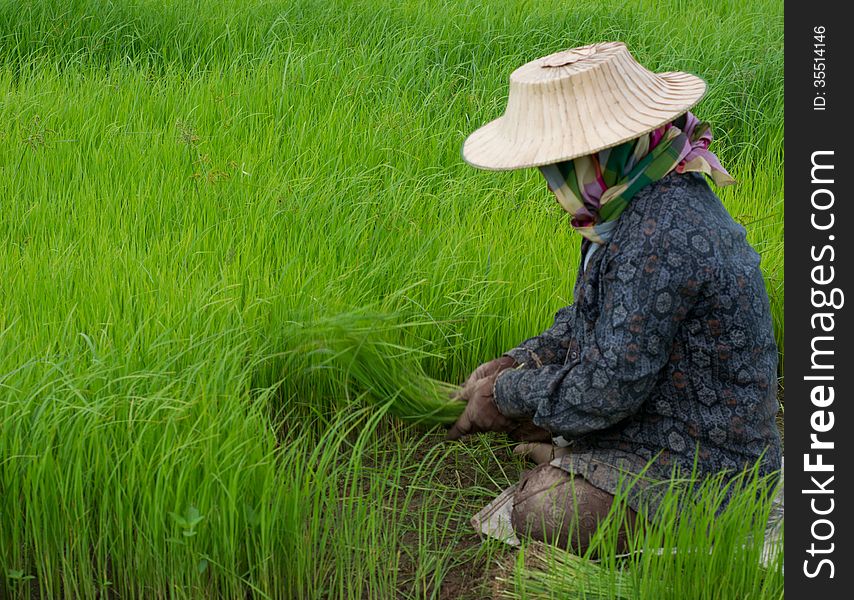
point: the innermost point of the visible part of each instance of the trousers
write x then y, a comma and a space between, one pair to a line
553, 506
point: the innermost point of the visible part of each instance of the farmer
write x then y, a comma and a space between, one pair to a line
667, 353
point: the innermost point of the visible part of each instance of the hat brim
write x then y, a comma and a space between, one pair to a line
490, 148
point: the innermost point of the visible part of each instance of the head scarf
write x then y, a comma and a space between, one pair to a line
596, 188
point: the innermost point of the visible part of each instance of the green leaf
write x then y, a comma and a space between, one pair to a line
194, 517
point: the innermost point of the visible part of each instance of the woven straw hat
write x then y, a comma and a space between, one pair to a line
577, 102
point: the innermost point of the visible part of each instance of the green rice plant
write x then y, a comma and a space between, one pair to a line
693, 536
381, 372
236, 236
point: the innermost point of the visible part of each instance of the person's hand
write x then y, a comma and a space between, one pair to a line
492, 367
481, 413
539, 452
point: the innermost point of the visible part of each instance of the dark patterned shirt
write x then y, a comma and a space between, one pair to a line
668, 350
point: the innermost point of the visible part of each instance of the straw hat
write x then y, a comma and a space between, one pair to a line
577, 102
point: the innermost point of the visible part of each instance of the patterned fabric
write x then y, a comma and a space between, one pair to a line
595, 189
667, 352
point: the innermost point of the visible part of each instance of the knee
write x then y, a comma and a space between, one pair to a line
542, 506
552, 506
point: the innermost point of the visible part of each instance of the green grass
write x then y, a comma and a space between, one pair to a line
695, 548
228, 225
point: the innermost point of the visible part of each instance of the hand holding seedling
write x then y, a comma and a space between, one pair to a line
492, 367
481, 413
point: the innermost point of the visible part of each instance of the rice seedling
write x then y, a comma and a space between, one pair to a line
236, 236
693, 536
377, 368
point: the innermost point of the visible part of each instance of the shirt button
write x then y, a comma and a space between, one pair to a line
573, 355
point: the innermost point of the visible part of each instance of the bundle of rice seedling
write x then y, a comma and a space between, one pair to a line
363, 352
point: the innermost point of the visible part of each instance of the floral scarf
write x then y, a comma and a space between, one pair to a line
595, 189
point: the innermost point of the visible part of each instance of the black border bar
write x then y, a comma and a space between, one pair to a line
818, 334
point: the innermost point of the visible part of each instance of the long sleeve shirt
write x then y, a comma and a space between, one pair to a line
667, 352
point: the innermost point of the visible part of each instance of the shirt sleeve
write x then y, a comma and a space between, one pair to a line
647, 289
549, 347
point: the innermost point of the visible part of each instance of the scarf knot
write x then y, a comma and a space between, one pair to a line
596, 188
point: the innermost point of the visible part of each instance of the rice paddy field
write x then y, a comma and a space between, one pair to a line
237, 238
